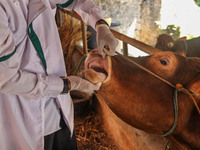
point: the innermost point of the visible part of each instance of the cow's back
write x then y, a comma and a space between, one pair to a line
193, 46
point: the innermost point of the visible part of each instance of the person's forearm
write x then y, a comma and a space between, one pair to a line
17, 82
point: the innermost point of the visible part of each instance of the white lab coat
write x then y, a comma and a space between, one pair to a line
25, 86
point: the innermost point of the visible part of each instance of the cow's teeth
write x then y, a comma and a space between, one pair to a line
101, 70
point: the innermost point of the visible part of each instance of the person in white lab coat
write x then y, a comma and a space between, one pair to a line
36, 110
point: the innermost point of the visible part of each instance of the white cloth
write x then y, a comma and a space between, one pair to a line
27, 94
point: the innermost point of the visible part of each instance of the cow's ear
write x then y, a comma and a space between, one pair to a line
194, 87
184, 38
180, 47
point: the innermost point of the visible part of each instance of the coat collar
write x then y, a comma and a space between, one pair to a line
35, 7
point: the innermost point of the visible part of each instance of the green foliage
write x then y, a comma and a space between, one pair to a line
172, 30
190, 36
197, 2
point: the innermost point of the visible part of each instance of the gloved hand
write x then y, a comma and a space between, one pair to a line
83, 85
106, 38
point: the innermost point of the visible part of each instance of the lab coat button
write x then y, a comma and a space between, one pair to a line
29, 30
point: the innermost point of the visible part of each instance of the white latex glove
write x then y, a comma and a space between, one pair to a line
83, 85
106, 38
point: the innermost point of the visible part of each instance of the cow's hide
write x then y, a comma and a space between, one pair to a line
145, 102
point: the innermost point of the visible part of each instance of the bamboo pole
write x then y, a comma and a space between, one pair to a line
84, 35
140, 45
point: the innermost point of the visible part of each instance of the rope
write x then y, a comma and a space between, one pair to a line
178, 86
167, 145
181, 88
175, 102
150, 72
79, 64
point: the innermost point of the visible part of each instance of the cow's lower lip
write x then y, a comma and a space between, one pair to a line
94, 76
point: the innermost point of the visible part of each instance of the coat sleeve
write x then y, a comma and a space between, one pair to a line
15, 81
87, 9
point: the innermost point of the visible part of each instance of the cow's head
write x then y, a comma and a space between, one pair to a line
136, 96
166, 42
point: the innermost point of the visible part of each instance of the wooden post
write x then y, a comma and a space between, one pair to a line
84, 36
125, 49
60, 17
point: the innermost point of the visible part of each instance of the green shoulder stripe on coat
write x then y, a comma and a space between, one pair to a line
65, 4
36, 43
8, 56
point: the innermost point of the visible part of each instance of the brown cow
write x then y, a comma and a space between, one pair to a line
144, 101
192, 47
135, 139
165, 42
189, 48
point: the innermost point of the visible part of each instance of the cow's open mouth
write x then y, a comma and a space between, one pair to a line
100, 70
96, 69
96, 73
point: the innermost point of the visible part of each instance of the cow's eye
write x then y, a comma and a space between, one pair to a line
164, 62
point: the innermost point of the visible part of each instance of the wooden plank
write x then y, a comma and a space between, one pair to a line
140, 45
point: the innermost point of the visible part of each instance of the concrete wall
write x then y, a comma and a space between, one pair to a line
136, 16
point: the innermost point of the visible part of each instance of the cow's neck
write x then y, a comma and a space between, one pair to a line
187, 133
186, 140
175, 145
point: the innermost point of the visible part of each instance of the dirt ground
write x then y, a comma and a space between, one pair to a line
89, 131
